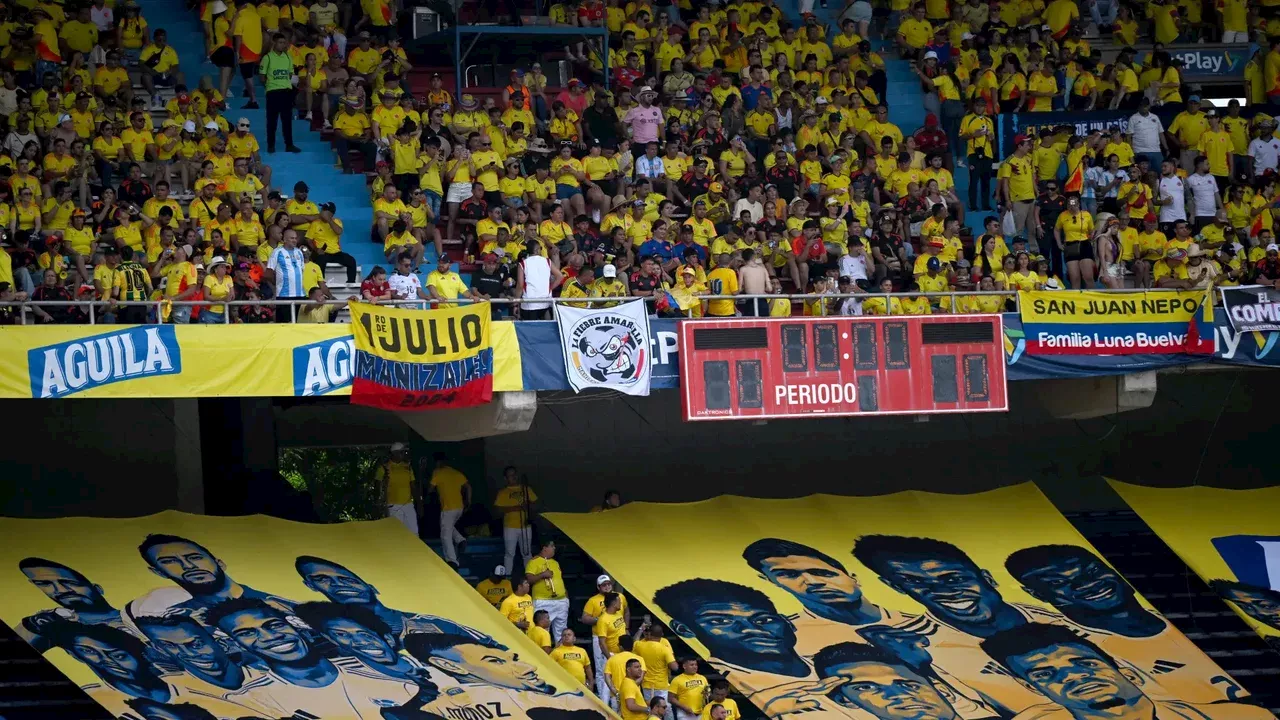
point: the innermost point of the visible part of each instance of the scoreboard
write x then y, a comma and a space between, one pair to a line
766, 368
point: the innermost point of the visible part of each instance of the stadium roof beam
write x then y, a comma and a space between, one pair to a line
478, 31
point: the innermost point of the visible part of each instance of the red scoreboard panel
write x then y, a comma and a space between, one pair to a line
836, 366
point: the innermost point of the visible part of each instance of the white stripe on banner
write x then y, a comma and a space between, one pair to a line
606, 347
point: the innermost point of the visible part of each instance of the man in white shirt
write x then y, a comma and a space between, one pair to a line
856, 265
650, 164
404, 284
1204, 194
1173, 196
852, 305
751, 203
1264, 151
1146, 134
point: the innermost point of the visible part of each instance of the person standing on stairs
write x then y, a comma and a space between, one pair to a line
279, 79
246, 31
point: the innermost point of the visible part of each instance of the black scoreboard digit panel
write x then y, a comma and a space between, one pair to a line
836, 366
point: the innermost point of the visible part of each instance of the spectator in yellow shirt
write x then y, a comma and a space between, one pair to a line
549, 595
495, 588
572, 658
516, 502
454, 492
518, 606
539, 632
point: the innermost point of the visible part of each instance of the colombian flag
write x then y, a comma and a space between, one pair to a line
1258, 225
421, 359
1075, 180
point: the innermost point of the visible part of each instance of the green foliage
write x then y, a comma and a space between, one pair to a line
340, 480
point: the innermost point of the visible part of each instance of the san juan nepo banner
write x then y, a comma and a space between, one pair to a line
1085, 322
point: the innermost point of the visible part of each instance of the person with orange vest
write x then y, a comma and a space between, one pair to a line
516, 94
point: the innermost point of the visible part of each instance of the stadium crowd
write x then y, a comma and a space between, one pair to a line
732, 153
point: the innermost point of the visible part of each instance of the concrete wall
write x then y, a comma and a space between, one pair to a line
579, 447
106, 458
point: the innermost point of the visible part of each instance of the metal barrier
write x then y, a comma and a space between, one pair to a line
94, 309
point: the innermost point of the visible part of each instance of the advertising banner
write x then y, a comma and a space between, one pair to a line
175, 361
1230, 538
606, 348
1083, 322
1254, 308
184, 616
421, 359
819, 605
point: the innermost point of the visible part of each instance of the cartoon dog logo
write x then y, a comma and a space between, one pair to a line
608, 350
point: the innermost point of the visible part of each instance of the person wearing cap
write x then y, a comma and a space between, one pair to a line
353, 130
400, 489
1185, 131
445, 284
279, 79
1264, 150
1017, 187
496, 587
218, 285
1149, 246
1170, 272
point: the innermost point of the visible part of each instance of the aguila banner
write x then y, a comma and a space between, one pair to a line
606, 347
1230, 538
186, 617
421, 359
1254, 308
1085, 322
911, 606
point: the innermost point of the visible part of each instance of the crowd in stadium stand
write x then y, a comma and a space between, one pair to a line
732, 153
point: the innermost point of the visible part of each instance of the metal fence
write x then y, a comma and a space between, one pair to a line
94, 310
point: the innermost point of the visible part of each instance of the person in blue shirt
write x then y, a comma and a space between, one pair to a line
658, 246
286, 266
687, 244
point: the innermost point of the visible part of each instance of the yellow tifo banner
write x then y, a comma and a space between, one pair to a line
104, 361
1230, 538
264, 618
833, 606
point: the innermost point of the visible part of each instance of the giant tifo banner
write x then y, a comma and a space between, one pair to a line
912, 605
421, 359
1230, 538
1084, 322
183, 616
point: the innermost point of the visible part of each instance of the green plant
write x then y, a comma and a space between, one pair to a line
340, 480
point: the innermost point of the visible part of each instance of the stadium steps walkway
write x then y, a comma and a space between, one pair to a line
31, 688
316, 164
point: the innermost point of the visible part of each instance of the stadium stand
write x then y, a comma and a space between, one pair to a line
1132, 222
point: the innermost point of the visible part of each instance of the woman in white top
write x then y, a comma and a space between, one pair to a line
536, 275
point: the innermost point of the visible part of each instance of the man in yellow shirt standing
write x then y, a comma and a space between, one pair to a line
548, 587
609, 628
1017, 188
1186, 128
455, 495
722, 281
400, 490
515, 502
688, 691
573, 658
631, 704
659, 661
518, 606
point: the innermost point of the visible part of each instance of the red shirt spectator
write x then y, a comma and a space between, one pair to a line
591, 11
931, 138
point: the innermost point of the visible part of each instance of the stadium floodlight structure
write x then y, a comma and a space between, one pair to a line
471, 35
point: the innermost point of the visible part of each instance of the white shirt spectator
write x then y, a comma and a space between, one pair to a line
756, 210
404, 286
17, 141
8, 101
1145, 131
103, 17
537, 282
1176, 209
287, 264
1265, 154
851, 306
650, 168
854, 268
1098, 177
1204, 193
783, 119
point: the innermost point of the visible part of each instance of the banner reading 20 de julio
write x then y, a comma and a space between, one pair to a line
421, 359
1083, 322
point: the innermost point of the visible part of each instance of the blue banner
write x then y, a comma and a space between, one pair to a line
543, 362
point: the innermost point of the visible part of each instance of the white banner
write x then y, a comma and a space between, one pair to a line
606, 347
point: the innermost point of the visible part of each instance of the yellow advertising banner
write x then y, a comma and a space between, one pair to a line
1230, 538
128, 361
190, 617
907, 606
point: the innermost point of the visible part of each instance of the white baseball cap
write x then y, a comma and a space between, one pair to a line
397, 447
931, 55
609, 271
500, 571
604, 578
189, 126
211, 125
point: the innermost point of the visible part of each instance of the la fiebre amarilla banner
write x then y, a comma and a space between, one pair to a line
421, 359
1084, 322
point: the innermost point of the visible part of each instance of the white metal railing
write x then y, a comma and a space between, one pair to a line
95, 309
